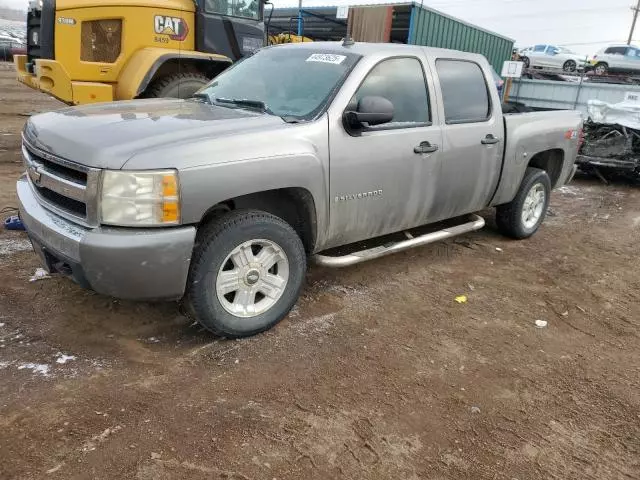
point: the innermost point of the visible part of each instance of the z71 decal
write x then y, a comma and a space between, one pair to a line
173, 27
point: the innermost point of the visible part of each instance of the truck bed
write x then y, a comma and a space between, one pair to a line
528, 133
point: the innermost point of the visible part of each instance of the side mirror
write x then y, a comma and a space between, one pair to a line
369, 111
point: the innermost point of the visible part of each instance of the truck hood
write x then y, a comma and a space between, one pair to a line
108, 135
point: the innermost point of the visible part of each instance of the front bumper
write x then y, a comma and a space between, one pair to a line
136, 264
52, 78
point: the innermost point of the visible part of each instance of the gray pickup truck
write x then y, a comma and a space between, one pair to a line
219, 200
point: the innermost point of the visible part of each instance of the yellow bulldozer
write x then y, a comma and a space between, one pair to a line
85, 51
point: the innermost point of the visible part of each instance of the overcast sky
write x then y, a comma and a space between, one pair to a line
583, 25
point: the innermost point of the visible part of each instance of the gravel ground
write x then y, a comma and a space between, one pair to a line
377, 373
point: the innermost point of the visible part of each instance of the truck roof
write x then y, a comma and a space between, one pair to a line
376, 49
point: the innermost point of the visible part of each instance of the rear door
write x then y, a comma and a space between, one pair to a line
615, 57
383, 179
537, 56
472, 136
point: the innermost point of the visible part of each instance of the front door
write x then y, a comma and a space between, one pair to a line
383, 179
472, 138
632, 59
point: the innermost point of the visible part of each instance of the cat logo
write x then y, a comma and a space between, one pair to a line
175, 28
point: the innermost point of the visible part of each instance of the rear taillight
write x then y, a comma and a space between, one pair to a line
580, 137
575, 135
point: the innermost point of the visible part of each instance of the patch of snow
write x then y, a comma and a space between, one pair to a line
315, 324
39, 368
11, 245
62, 358
568, 190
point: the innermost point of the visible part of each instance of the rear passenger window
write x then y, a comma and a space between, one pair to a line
616, 50
464, 91
402, 82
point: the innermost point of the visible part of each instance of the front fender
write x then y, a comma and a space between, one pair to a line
143, 65
216, 169
206, 186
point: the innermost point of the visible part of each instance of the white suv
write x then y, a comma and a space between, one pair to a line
616, 59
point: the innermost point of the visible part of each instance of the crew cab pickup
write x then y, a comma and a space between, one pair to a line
220, 200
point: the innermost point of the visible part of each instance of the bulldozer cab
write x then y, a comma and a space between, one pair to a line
233, 28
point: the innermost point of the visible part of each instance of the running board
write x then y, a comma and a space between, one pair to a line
476, 223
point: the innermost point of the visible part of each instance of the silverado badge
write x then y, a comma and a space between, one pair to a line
357, 196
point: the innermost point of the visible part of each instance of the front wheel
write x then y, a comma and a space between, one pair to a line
522, 217
246, 273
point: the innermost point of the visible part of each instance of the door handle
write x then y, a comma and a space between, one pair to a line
489, 140
425, 147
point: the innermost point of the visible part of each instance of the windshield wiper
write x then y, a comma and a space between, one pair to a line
202, 96
245, 102
257, 104
291, 119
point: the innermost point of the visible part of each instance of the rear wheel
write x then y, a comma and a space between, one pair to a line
570, 66
522, 217
601, 68
179, 85
246, 273
526, 62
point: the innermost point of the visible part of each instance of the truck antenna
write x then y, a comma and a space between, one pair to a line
348, 41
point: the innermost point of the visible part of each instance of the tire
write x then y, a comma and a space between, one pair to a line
179, 85
214, 263
526, 62
510, 216
569, 66
601, 68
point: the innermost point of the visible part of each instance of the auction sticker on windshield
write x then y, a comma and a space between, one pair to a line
326, 58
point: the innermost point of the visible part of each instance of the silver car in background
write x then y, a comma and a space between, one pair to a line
551, 56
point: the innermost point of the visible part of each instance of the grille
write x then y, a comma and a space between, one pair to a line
64, 187
70, 205
101, 41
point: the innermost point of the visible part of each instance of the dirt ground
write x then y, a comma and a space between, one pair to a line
377, 373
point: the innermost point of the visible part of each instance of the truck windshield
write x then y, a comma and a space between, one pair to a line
234, 8
288, 82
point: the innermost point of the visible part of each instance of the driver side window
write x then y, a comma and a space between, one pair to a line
402, 82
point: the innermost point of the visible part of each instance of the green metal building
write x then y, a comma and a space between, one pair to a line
434, 29
410, 22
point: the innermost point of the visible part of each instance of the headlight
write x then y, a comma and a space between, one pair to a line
132, 199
